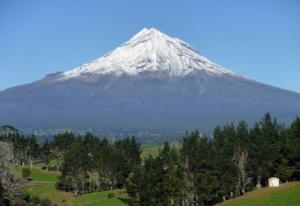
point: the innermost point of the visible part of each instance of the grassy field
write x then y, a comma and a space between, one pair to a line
150, 150
153, 150
41, 176
285, 195
43, 186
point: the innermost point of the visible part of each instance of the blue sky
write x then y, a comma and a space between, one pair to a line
259, 39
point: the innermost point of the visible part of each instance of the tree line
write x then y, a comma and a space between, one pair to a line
206, 171
201, 171
87, 163
92, 164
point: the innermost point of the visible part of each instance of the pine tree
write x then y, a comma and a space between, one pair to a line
46, 153
60, 145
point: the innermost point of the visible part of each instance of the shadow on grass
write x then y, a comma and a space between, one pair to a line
129, 202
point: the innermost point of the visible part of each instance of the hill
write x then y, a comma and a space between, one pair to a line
285, 195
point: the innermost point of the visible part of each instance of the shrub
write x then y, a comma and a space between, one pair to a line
19, 202
110, 195
26, 172
46, 202
35, 200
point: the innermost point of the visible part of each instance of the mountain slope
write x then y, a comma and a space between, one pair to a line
153, 85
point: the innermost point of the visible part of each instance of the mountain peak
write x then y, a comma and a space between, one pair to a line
155, 36
149, 51
151, 32
147, 30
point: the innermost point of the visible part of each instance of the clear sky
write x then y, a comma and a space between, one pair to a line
259, 39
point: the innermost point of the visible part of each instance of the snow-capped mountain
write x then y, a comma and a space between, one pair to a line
152, 84
149, 51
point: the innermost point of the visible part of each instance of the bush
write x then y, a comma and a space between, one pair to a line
46, 202
19, 202
35, 200
58, 186
26, 172
110, 195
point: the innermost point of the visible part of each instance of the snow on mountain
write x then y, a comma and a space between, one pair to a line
149, 51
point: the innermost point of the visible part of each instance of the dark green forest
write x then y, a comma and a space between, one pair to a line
203, 170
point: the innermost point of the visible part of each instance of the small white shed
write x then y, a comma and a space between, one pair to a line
273, 182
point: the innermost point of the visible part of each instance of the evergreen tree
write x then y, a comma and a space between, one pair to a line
60, 144
74, 173
241, 155
46, 153
293, 150
156, 182
33, 149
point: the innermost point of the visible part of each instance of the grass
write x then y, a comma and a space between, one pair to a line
285, 195
52, 163
101, 198
43, 186
48, 191
150, 150
42, 176
153, 150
